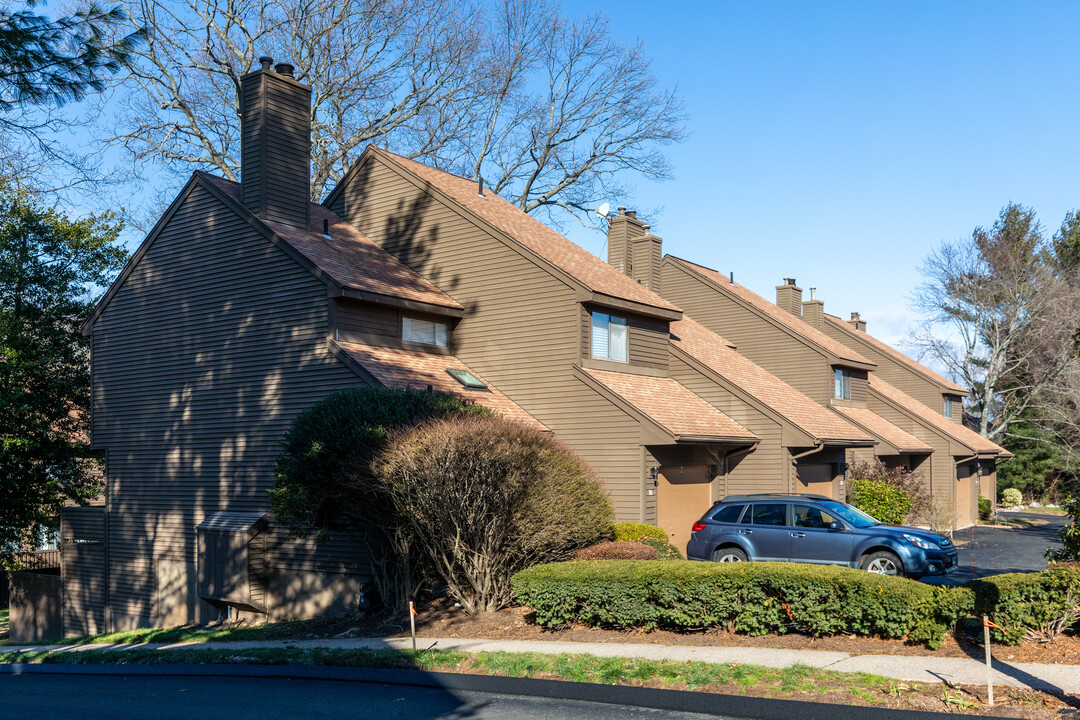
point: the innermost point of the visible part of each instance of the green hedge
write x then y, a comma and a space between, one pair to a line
887, 503
1028, 602
754, 598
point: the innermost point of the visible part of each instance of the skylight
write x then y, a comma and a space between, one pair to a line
466, 378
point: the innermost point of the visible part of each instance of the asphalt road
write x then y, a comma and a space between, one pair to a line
992, 551
74, 697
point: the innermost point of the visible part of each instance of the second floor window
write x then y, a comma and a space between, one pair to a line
948, 407
842, 388
423, 332
609, 337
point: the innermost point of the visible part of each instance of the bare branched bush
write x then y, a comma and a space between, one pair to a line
486, 497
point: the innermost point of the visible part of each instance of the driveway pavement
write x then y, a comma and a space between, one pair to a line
992, 551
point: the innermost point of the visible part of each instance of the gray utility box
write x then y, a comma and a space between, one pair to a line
232, 567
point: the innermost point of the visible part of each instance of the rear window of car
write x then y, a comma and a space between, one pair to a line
728, 514
769, 514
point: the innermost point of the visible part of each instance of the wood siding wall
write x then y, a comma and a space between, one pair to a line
794, 362
763, 469
82, 570
201, 360
522, 327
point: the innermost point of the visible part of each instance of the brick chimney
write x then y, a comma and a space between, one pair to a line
813, 311
856, 322
275, 144
632, 249
789, 297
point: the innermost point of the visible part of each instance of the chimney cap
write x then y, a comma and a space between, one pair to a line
789, 281
266, 61
284, 68
855, 316
631, 214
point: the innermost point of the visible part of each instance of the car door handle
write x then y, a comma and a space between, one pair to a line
746, 532
798, 534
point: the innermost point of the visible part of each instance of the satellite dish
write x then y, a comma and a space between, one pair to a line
602, 211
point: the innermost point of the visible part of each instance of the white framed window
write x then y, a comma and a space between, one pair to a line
948, 407
609, 337
842, 384
424, 332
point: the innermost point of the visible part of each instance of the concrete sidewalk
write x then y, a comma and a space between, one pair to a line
965, 671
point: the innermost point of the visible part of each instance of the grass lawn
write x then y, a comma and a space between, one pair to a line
3, 623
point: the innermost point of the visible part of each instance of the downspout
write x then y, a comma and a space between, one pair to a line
818, 447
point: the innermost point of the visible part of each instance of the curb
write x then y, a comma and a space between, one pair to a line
651, 698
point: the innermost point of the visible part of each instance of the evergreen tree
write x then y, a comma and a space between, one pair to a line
45, 60
50, 267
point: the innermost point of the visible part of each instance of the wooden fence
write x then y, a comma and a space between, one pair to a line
37, 559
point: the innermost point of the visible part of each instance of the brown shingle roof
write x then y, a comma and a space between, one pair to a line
951, 428
796, 325
671, 405
717, 354
350, 258
399, 368
898, 356
575, 261
885, 430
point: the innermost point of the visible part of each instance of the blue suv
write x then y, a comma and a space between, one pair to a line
815, 529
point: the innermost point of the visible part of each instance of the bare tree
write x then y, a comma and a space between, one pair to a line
549, 112
1000, 318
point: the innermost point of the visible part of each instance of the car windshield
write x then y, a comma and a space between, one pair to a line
852, 515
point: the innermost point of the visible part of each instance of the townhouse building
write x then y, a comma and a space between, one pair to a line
247, 303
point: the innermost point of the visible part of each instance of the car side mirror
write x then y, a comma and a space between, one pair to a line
837, 525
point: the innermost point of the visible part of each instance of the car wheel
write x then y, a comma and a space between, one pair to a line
882, 563
729, 555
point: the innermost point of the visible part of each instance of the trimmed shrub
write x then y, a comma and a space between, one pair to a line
635, 532
1011, 497
1033, 606
754, 598
885, 502
485, 497
618, 550
649, 535
986, 509
322, 476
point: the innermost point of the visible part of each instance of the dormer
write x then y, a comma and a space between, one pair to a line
389, 326
952, 407
848, 386
613, 339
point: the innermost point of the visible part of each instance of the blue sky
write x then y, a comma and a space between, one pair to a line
837, 143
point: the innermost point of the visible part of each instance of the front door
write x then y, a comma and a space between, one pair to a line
816, 479
966, 496
683, 494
